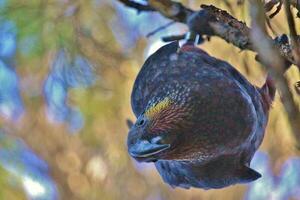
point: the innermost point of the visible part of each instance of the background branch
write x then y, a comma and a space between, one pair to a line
269, 5
293, 32
271, 58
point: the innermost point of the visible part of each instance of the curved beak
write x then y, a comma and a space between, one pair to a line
142, 149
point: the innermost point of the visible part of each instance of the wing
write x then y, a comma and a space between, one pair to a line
256, 97
146, 80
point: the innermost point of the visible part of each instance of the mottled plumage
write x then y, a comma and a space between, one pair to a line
198, 118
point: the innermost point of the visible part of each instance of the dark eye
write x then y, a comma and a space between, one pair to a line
140, 122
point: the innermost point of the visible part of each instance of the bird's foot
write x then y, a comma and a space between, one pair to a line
193, 38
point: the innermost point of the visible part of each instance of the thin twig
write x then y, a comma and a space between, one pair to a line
171, 9
293, 32
137, 6
270, 4
278, 8
160, 29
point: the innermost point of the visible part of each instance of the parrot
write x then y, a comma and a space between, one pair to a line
198, 118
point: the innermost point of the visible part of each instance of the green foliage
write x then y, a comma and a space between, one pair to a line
8, 189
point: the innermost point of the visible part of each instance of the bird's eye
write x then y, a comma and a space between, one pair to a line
141, 122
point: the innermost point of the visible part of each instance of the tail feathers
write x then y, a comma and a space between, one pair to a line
212, 175
268, 91
247, 174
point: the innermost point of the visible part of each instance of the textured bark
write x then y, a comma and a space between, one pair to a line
210, 21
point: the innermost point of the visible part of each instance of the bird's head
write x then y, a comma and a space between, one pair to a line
157, 133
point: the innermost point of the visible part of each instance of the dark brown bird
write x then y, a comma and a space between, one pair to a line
198, 118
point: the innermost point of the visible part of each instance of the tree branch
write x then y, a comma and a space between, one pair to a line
268, 7
139, 7
172, 10
212, 21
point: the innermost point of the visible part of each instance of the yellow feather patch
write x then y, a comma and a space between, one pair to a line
157, 108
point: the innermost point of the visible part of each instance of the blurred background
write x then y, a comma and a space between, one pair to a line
66, 72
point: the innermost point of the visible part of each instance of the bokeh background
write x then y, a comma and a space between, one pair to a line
66, 72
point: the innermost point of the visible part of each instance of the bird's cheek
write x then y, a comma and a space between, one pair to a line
167, 138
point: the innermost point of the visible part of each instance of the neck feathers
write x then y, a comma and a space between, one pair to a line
165, 115
157, 108
191, 48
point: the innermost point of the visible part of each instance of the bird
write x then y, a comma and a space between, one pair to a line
198, 118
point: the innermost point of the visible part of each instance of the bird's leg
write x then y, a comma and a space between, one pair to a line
190, 38
193, 38
191, 42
